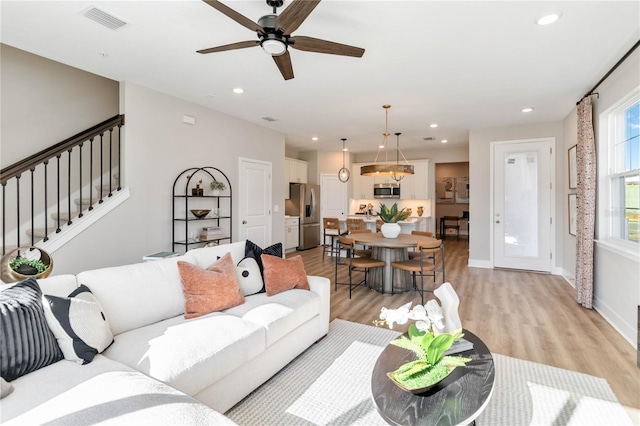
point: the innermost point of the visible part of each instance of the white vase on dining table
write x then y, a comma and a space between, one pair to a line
390, 230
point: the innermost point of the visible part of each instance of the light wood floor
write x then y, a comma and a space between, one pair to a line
524, 315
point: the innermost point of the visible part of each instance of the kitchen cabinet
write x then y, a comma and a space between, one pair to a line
291, 233
416, 187
295, 171
362, 185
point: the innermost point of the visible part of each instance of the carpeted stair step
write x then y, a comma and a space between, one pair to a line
39, 233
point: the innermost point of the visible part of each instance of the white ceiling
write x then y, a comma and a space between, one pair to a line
463, 65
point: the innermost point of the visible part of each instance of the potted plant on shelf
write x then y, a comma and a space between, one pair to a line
217, 187
391, 217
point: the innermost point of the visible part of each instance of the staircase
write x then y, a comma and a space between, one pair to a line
51, 196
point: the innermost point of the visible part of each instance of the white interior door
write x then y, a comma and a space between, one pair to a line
255, 195
522, 205
334, 200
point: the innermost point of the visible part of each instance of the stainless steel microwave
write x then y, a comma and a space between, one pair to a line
386, 190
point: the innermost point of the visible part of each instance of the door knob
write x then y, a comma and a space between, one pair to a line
497, 221
244, 222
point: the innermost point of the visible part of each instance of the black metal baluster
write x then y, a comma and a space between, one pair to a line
90, 176
18, 208
46, 203
101, 171
69, 190
4, 215
58, 185
110, 159
119, 157
33, 226
80, 166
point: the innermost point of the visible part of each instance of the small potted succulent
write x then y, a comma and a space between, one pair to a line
217, 187
25, 262
391, 217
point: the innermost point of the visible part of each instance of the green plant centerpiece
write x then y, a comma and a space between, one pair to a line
25, 262
392, 215
217, 185
25, 266
427, 343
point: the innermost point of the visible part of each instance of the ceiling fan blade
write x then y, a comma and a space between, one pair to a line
232, 46
240, 19
310, 44
295, 14
284, 65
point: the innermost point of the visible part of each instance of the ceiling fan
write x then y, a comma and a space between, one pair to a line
274, 34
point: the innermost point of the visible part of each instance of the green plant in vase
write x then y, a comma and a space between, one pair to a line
428, 344
25, 266
392, 215
217, 186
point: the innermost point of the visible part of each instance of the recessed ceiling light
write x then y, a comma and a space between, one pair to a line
527, 109
238, 90
433, 126
548, 19
444, 141
315, 138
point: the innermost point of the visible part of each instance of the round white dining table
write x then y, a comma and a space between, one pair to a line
390, 250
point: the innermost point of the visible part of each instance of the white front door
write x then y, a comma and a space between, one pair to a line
334, 198
523, 204
255, 201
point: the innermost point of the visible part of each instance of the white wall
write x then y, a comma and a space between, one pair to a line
479, 180
44, 102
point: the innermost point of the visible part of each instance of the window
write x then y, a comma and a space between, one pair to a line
620, 180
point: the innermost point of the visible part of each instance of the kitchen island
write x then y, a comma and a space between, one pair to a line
416, 223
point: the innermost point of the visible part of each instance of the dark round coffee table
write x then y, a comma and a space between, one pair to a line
457, 400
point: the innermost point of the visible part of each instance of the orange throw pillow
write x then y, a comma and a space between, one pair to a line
283, 274
209, 290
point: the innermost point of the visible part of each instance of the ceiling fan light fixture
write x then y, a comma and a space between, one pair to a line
274, 47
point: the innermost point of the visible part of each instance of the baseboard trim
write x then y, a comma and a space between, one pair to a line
476, 263
627, 331
82, 223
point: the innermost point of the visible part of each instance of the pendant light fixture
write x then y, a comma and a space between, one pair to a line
396, 171
344, 173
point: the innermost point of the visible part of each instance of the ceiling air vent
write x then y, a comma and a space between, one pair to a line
269, 119
103, 18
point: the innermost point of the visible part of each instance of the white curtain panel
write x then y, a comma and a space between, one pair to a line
586, 204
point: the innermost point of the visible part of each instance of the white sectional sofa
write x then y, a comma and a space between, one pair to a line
161, 367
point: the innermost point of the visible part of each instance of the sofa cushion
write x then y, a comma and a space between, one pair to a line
120, 398
209, 290
5, 388
133, 296
249, 276
190, 354
27, 343
41, 385
279, 314
204, 256
80, 326
58, 285
283, 274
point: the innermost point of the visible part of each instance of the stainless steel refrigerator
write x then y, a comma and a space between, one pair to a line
306, 200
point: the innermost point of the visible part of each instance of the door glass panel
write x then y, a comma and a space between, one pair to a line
521, 204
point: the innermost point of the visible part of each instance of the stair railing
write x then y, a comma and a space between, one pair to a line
75, 179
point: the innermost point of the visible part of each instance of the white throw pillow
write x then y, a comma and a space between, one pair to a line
79, 324
249, 276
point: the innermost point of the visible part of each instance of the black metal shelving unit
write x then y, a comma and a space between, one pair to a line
188, 226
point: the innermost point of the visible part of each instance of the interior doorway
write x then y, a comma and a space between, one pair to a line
452, 198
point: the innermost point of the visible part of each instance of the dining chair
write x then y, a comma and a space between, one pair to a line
353, 263
420, 266
364, 251
414, 254
354, 224
331, 228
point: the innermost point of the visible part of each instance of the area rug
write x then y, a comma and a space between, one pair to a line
330, 384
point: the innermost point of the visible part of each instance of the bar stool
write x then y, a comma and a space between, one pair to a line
331, 228
355, 224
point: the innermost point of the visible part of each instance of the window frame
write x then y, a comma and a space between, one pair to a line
610, 209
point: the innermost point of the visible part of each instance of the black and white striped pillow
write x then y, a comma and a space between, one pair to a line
254, 251
26, 342
79, 324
